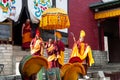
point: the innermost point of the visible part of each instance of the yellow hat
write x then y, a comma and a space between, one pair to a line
58, 35
82, 33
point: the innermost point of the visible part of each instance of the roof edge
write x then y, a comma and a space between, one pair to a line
99, 5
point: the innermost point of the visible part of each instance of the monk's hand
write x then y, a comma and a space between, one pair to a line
58, 56
56, 59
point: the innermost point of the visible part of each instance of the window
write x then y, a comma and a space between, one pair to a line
6, 31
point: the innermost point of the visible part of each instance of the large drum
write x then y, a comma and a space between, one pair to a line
31, 65
37, 67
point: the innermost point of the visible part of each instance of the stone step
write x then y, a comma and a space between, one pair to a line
104, 78
10, 77
18, 77
18, 52
109, 67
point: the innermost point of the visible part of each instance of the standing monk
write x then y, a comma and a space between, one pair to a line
60, 51
26, 35
51, 50
81, 52
37, 45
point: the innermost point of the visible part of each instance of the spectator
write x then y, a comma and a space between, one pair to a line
26, 35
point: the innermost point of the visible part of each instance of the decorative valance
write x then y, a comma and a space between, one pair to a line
107, 13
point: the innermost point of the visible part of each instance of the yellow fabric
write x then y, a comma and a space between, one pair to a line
91, 60
61, 58
83, 53
82, 33
54, 21
26, 37
64, 68
51, 57
51, 48
37, 47
54, 10
107, 13
54, 18
58, 35
73, 71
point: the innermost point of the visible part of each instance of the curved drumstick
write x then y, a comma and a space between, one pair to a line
73, 36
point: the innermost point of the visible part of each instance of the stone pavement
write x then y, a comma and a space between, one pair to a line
111, 70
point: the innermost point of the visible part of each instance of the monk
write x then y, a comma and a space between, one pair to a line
37, 45
26, 35
51, 50
81, 52
61, 48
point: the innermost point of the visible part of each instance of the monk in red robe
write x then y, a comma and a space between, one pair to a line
26, 35
60, 52
51, 50
37, 45
55, 51
81, 52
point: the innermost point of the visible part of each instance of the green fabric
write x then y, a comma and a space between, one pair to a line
49, 74
23, 61
39, 74
58, 73
42, 74
54, 73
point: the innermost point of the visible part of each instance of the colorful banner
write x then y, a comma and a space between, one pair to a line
36, 8
8, 9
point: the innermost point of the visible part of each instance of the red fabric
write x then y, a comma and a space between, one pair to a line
79, 45
26, 45
60, 45
37, 53
26, 29
75, 59
37, 32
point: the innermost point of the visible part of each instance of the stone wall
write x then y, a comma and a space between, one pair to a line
100, 57
18, 54
6, 54
67, 55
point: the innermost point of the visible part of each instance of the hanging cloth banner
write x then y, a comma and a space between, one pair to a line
8, 9
36, 8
